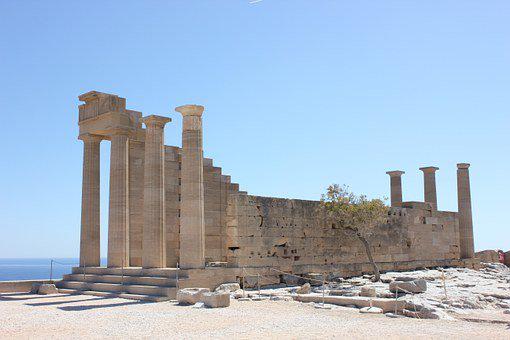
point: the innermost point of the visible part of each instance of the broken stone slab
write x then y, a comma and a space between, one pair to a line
343, 292
228, 287
387, 305
47, 288
216, 299
416, 286
371, 310
35, 288
368, 291
304, 289
190, 296
315, 279
292, 280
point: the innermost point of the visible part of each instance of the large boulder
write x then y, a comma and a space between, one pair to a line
47, 288
190, 296
35, 288
416, 286
216, 299
368, 291
304, 289
228, 287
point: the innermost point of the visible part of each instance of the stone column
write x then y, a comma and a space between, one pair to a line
192, 231
396, 187
467, 248
429, 185
118, 228
90, 227
154, 245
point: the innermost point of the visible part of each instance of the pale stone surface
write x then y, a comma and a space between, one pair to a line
415, 286
396, 186
154, 241
371, 310
216, 299
90, 230
47, 288
429, 185
192, 228
467, 248
190, 296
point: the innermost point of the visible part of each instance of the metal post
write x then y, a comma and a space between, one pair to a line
258, 283
444, 283
323, 288
177, 277
51, 271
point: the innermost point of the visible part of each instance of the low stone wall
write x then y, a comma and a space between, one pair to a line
22, 286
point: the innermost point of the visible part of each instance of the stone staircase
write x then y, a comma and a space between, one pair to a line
158, 284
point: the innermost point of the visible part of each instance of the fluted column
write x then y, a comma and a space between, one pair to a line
396, 187
90, 227
154, 245
118, 228
467, 248
192, 231
429, 185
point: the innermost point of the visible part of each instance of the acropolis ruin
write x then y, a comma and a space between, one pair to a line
175, 220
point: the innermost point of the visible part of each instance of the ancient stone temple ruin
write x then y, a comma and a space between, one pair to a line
175, 220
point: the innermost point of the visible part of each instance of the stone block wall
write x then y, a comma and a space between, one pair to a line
293, 236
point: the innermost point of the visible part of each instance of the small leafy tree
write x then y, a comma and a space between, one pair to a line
355, 214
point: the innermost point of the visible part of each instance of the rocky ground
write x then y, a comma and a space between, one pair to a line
452, 293
473, 306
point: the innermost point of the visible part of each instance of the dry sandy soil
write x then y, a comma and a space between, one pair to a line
80, 316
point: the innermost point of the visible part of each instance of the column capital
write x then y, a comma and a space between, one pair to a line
395, 173
155, 121
190, 110
88, 137
429, 169
463, 165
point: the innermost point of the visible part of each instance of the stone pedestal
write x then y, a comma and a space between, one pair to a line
396, 187
467, 248
192, 231
118, 236
429, 185
90, 226
154, 245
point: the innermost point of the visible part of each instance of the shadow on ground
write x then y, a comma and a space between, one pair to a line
109, 305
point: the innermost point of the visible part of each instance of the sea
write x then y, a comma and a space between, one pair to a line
37, 268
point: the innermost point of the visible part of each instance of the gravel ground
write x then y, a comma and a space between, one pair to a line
75, 316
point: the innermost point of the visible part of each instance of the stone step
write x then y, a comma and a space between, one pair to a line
120, 288
139, 297
136, 280
171, 273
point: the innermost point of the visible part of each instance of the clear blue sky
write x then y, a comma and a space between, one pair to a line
298, 95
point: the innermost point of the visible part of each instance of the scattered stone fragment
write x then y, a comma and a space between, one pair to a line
198, 305
371, 310
216, 299
47, 288
368, 291
35, 288
228, 287
190, 296
416, 286
506, 311
304, 289
393, 315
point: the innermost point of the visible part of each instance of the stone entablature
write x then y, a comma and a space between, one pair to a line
170, 206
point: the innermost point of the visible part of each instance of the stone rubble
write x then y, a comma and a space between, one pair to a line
462, 291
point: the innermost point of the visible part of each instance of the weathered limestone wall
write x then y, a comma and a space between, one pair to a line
291, 235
